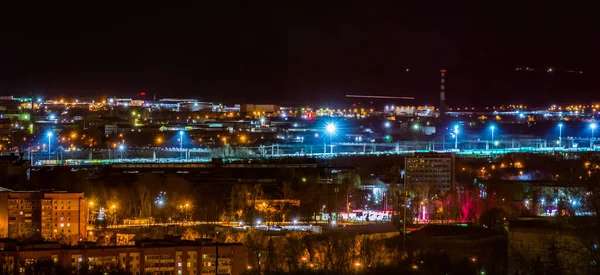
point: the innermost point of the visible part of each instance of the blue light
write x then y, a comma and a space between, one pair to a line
388, 124
49, 134
121, 147
330, 128
160, 201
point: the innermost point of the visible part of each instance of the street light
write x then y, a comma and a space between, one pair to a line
593, 127
90, 219
49, 134
121, 149
331, 129
456, 137
181, 144
560, 125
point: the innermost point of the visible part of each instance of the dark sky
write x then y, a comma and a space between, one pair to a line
303, 53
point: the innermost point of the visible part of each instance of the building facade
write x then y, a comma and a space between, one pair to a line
435, 169
49, 215
145, 257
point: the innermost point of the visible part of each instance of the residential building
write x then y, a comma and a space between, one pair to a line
435, 169
41, 214
110, 129
168, 256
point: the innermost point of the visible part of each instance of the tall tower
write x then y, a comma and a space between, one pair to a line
443, 93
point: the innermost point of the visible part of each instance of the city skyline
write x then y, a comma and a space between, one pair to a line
290, 53
299, 138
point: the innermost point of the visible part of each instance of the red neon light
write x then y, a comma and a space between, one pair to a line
442, 70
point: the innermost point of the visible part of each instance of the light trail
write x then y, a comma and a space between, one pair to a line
381, 96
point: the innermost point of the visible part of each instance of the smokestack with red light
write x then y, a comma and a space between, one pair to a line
443, 92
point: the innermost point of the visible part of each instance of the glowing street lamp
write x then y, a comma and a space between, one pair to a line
90, 219
456, 137
49, 135
181, 144
492, 128
560, 125
121, 149
330, 128
593, 127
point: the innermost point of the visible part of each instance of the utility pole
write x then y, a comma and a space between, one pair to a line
254, 206
217, 257
405, 195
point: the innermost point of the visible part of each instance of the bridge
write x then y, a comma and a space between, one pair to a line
165, 157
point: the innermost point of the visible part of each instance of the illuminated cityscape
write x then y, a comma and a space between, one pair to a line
308, 138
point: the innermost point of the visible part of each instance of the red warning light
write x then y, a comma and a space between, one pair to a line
442, 70
143, 93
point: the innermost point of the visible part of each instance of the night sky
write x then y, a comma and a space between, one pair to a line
306, 53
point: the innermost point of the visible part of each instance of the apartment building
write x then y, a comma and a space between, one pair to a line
435, 169
46, 214
145, 257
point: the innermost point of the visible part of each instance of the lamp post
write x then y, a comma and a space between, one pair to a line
121, 149
331, 130
49, 134
492, 128
560, 125
593, 127
181, 144
113, 209
456, 137
90, 219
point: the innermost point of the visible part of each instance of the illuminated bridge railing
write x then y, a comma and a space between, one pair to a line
156, 159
